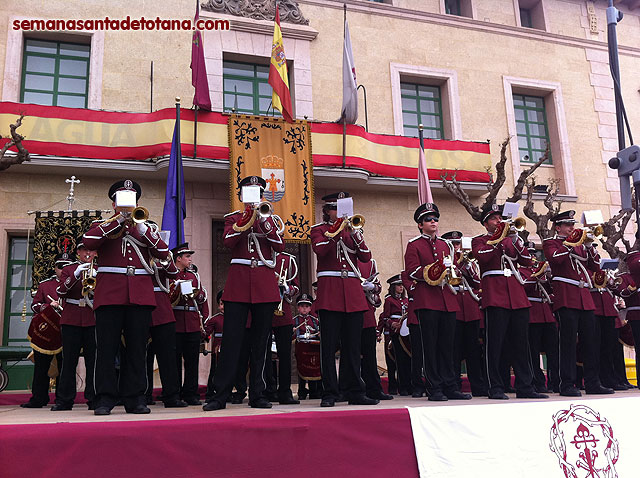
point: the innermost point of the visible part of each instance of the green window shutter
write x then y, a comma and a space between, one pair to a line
421, 104
532, 127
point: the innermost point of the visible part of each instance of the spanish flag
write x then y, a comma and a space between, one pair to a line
278, 78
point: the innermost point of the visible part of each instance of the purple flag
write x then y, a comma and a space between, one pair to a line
198, 69
172, 220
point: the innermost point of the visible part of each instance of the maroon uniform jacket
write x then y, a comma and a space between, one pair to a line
77, 311
422, 251
570, 283
163, 314
629, 292
604, 301
311, 325
410, 287
339, 288
185, 312
213, 327
123, 278
469, 307
500, 286
47, 288
394, 306
367, 270
541, 311
291, 269
249, 279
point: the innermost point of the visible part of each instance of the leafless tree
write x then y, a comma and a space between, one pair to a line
15, 139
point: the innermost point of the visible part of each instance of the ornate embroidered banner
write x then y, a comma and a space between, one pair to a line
56, 233
280, 152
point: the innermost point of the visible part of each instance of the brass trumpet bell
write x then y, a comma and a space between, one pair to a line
357, 221
140, 214
519, 224
265, 209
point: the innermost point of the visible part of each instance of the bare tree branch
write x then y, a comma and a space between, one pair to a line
15, 139
550, 201
524, 175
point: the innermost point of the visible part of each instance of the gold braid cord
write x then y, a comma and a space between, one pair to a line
248, 224
434, 273
571, 242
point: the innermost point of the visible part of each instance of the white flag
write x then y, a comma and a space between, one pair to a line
349, 84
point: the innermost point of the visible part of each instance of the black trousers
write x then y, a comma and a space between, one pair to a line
163, 346
283, 346
580, 323
75, 339
417, 358
392, 369
40, 383
369, 362
510, 328
240, 383
467, 347
347, 328
403, 364
543, 337
188, 349
635, 328
619, 365
608, 337
437, 329
212, 372
233, 331
113, 321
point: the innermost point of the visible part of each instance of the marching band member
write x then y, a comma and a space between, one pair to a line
467, 334
307, 330
213, 328
163, 336
340, 302
368, 338
570, 261
78, 326
190, 311
505, 303
394, 313
124, 300
47, 294
251, 286
417, 356
543, 330
384, 332
287, 273
428, 259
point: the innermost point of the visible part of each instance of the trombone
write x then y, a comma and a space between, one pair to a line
353, 222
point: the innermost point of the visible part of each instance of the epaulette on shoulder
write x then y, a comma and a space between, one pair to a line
232, 213
319, 224
415, 238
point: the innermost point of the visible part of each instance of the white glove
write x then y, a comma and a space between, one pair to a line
447, 261
81, 268
366, 285
142, 228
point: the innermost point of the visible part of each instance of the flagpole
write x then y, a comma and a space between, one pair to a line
195, 134
421, 135
179, 173
344, 117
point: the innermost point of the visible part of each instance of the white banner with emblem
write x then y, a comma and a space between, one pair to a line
583, 438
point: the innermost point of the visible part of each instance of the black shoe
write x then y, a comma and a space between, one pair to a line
214, 405
192, 401
381, 396
102, 411
303, 394
403, 393
288, 401
237, 399
31, 404
456, 395
260, 403
363, 400
571, 392
438, 397
483, 393
341, 398
138, 410
542, 390
176, 404
618, 387
498, 396
328, 402
533, 394
417, 394
61, 408
600, 390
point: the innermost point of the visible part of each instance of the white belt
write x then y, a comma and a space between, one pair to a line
497, 272
248, 262
73, 301
534, 299
217, 335
580, 284
157, 289
633, 307
186, 309
395, 317
130, 270
343, 274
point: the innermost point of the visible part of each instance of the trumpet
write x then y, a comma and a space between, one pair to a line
88, 280
353, 222
507, 227
593, 233
586, 235
139, 214
263, 209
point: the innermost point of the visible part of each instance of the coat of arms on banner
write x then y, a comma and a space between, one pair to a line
583, 442
273, 174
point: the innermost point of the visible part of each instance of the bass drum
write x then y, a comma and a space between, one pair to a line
44, 331
308, 360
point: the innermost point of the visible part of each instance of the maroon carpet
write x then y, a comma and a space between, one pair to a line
371, 443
